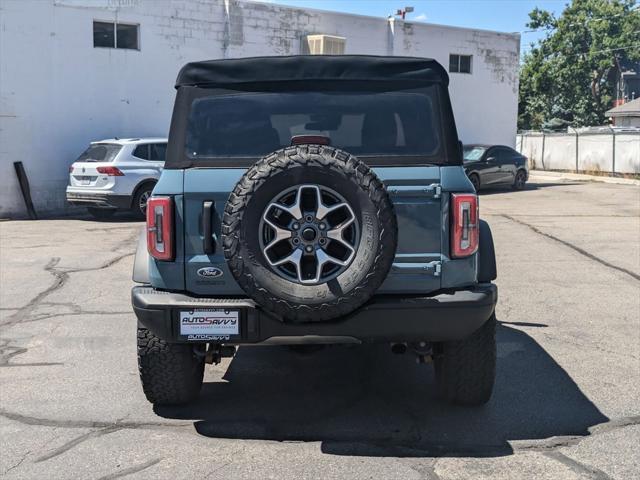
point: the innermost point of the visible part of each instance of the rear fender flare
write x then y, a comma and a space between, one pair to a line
487, 270
141, 261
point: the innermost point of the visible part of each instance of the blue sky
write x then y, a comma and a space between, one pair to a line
500, 15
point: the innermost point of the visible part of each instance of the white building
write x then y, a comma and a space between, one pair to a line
63, 84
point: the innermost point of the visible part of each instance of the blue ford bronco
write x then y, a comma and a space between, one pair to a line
313, 200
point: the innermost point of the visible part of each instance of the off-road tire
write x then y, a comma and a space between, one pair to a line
171, 374
466, 369
101, 213
352, 179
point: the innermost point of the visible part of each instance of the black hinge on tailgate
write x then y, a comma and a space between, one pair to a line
209, 239
433, 191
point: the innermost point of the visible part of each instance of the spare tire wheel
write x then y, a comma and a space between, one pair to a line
309, 233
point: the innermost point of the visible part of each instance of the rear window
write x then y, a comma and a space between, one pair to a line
100, 152
368, 124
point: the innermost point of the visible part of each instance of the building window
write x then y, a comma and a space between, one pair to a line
459, 63
116, 35
323, 45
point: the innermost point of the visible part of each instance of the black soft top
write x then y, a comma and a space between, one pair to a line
312, 68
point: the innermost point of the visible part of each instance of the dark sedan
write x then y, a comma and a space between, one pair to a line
495, 165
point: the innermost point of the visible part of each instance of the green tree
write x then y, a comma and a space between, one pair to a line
569, 77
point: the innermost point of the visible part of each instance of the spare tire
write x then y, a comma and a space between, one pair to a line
309, 233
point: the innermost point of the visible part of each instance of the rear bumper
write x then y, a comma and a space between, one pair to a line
98, 199
385, 318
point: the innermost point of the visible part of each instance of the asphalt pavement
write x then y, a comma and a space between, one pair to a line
566, 404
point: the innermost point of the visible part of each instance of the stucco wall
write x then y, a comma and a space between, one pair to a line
58, 92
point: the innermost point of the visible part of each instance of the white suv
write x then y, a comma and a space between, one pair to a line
116, 174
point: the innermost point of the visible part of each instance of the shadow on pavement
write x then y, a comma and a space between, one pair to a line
365, 401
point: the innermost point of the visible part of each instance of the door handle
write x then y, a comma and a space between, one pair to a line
208, 243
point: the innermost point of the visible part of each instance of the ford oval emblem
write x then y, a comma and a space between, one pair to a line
210, 272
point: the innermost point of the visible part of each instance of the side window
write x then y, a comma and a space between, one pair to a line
506, 155
142, 152
492, 153
513, 155
158, 152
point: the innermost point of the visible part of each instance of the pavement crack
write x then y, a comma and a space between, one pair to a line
227, 463
131, 470
581, 251
107, 264
35, 364
75, 314
427, 471
132, 238
76, 441
18, 463
91, 424
554, 443
578, 467
60, 277
26, 312
615, 424
8, 351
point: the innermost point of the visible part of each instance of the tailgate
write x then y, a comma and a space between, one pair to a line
85, 174
414, 191
417, 199
207, 185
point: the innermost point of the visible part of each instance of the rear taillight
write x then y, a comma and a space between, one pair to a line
160, 227
464, 224
111, 171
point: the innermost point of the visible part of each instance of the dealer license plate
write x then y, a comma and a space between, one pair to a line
215, 321
84, 180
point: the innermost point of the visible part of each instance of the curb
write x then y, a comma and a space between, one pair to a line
541, 174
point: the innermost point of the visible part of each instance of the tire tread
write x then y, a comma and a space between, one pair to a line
170, 373
304, 156
466, 369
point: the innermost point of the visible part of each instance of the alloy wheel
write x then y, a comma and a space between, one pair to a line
309, 234
142, 203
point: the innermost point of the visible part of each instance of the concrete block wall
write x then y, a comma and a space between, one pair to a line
58, 92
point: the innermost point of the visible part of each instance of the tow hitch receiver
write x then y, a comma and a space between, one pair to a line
214, 353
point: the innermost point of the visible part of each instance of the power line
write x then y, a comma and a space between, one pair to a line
596, 19
597, 51
531, 46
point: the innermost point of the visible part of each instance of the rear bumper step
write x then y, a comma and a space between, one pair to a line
385, 318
